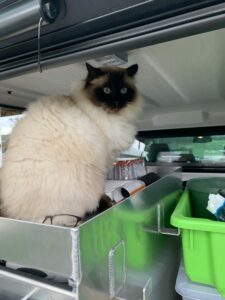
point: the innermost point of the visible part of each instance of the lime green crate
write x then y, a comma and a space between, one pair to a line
203, 237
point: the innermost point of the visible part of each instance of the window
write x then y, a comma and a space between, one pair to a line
192, 152
8, 119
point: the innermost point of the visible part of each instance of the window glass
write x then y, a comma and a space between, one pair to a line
196, 151
8, 120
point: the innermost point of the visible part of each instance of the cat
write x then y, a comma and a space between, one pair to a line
59, 154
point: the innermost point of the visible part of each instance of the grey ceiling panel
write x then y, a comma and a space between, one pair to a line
86, 24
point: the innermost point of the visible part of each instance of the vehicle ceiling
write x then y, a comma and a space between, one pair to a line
182, 82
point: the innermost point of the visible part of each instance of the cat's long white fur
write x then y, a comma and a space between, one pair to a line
58, 156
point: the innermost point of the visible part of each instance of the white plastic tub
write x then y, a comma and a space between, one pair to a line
194, 291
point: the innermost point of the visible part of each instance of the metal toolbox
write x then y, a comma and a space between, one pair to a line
122, 253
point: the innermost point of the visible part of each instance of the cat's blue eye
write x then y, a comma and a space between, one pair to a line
123, 91
106, 90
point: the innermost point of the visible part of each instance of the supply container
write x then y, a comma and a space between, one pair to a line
118, 254
203, 237
190, 290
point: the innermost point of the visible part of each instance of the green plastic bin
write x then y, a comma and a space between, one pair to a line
203, 237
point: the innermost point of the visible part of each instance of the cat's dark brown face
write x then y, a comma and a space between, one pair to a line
111, 88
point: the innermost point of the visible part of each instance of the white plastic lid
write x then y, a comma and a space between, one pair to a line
191, 290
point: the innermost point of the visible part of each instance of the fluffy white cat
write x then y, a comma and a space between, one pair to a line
59, 153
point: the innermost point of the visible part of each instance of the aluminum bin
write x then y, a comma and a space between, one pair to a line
122, 253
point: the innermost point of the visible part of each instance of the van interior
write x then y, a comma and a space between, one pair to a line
181, 82
132, 251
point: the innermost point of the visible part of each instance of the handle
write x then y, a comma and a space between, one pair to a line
160, 227
31, 293
112, 274
147, 290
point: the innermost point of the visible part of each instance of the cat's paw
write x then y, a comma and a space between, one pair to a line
104, 203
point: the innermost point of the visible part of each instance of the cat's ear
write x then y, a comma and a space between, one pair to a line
132, 70
93, 72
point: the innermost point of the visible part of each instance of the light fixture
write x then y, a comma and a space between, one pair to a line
202, 139
112, 60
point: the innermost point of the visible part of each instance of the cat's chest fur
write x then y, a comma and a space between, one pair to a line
117, 130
